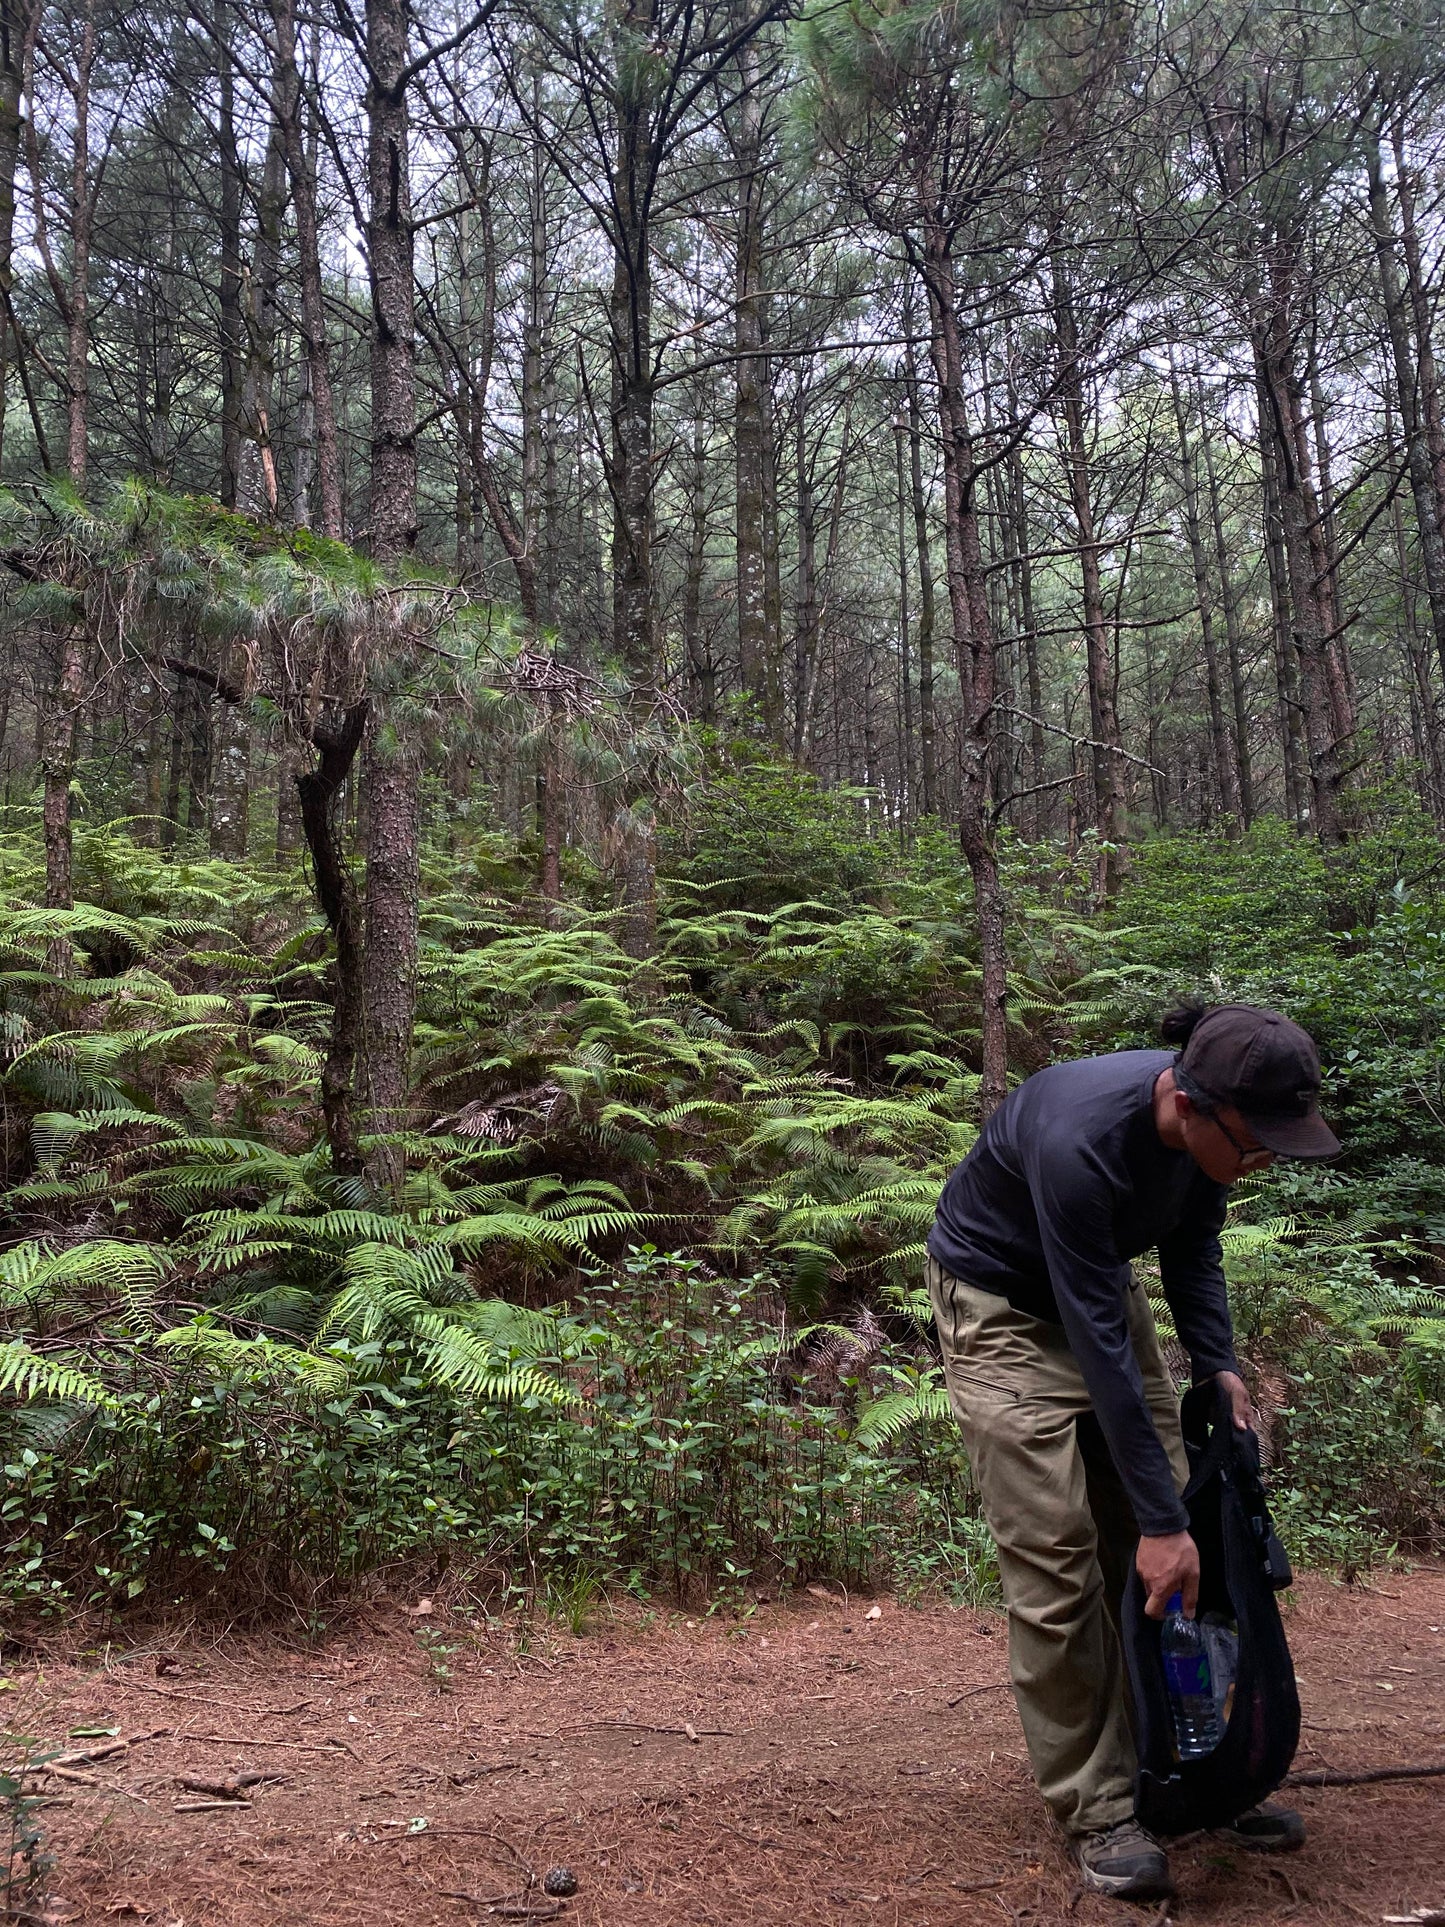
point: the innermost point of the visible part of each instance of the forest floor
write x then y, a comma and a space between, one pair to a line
845, 1768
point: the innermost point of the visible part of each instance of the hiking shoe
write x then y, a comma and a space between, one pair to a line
1267, 1829
1124, 1861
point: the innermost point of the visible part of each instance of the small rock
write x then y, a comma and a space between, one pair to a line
559, 1882
874, 1612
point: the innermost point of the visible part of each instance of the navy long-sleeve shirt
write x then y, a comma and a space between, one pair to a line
1068, 1181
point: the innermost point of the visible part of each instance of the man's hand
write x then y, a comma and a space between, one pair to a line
1168, 1564
1240, 1402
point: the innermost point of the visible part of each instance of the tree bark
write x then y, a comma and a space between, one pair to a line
320, 400
974, 643
907, 758
1226, 770
533, 364
1428, 527
82, 220
757, 642
393, 890
923, 548
392, 771
1109, 796
233, 323
231, 790
805, 637
58, 769
318, 791
1239, 696
390, 245
1299, 525
629, 464
1406, 186
697, 647
258, 491
14, 30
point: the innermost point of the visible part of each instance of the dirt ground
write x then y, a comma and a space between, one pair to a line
845, 1768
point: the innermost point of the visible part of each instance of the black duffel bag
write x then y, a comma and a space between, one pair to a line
1242, 1565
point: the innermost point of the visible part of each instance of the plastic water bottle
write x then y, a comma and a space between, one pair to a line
1187, 1678
1221, 1640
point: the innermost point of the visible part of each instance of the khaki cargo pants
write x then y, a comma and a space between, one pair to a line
1064, 1528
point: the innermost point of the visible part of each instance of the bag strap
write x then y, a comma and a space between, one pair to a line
1207, 1419
1217, 1446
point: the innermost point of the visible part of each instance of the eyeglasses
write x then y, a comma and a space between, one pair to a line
1252, 1157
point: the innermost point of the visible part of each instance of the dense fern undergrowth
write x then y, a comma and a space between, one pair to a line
647, 1309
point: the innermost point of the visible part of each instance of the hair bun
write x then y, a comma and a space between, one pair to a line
1178, 1025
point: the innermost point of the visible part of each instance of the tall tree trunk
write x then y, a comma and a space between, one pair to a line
549, 802
391, 758
1421, 306
259, 491
1291, 720
291, 766
1324, 547
1029, 630
533, 365
318, 791
1299, 524
922, 543
907, 762
1423, 718
696, 645
199, 745
974, 643
805, 624
14, 28
300, 167
1110, 799
58, 769
474, 353
757, 647
180, 709
390, 245
231, 789
1226, 770
82, 216
233, 323
1239, 696
630, 457
1428, 522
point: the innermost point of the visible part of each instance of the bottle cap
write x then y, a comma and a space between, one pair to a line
1176, 1603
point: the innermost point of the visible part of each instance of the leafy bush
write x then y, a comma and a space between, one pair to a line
768, 834
693, 1451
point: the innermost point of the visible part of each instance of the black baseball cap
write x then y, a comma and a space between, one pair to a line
1269, 1070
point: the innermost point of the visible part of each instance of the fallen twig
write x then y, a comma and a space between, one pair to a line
205, 1699
505, 1910
87, 1756
212, 1806
915, 1879
688, 1731
995, 1686
249, 1739
1369, 1776
229, 1788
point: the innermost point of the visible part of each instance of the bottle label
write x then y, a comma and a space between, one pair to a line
1188, 1674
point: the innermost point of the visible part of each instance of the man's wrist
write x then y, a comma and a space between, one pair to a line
1202, 1370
